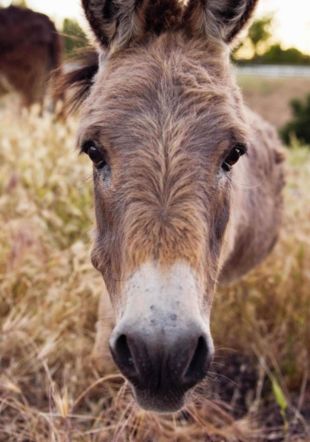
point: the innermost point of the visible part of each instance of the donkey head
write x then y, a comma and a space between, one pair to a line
163, 125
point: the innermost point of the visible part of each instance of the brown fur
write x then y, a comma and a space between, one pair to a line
165, 204
30, 50
166, 111
222, 18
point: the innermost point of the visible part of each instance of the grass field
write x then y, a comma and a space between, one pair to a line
271, 96
52, 389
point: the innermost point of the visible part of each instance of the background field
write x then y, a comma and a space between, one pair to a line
271, 96
52, 389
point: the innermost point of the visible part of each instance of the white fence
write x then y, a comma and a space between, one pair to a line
274, 71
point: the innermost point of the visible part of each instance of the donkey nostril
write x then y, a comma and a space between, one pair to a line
198, 366
147, 363
123, 356
123, 353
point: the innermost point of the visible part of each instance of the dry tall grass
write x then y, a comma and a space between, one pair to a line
50, 387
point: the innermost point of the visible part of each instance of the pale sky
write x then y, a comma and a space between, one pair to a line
292, 17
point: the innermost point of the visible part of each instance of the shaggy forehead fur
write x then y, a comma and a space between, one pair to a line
165, 115
166, 112
169, 80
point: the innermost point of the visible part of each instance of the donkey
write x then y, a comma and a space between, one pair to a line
30, 50
187, 181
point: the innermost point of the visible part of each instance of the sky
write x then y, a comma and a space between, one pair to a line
292, 18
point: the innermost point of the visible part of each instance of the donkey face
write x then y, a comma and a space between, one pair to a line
163, 126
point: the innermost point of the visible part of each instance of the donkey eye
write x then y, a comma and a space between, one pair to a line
95, 154
232, 158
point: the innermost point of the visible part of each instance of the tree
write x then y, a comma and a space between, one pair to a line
20, 3
258, 47
260, 34
276, 54
300, 124
257, 40
74, 36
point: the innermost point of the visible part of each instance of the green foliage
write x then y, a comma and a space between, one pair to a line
279, 394
259, 41
299, 126
275, 54
260, 32
20, 3
74, 36
258, 38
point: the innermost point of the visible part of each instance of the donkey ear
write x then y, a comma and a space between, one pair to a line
113, 20
220, 18
116, 23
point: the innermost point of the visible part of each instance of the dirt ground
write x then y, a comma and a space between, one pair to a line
271, 96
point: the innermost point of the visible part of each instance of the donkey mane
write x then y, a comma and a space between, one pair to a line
80, 78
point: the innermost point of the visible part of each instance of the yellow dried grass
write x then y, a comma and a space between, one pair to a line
50, 387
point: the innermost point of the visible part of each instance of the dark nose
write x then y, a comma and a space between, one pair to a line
163, 360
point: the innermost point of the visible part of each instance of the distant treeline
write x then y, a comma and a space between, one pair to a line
276, 55
260, 45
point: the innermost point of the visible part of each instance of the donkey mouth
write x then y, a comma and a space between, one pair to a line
160, 402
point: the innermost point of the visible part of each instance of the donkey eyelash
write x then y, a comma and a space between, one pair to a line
243, 148
233, 156
237, 145
86, 146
